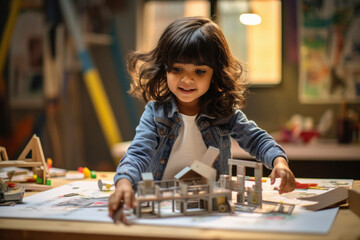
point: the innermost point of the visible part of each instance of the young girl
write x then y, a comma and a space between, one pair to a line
193, 88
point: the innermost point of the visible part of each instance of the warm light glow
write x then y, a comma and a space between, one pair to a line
250, 19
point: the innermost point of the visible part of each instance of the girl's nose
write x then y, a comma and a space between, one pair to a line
187, 78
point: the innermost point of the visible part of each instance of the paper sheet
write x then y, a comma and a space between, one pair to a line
83, 201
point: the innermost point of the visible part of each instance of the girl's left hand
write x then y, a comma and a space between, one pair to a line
282, 170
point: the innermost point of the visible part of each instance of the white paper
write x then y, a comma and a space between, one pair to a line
83, 201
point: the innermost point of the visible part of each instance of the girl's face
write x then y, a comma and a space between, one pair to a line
188, 82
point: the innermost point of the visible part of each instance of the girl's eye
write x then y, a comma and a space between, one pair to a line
200, 72
177, 69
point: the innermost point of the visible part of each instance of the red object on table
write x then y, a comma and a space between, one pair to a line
11, 184
305, 185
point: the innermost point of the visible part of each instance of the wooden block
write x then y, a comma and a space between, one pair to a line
210, 156
37, 187
3, 154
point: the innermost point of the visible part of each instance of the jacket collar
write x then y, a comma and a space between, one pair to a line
172, 109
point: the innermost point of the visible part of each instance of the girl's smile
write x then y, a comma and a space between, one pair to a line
186, 91
188, 82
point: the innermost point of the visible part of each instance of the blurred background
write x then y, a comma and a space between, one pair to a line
63, 75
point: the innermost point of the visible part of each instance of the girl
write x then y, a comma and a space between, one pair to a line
194, 90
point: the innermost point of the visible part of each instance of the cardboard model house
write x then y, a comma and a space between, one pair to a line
197, 173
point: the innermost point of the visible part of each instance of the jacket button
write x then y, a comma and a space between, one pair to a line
171, 136
207, 136
162, 161
177, 120
161, 131
158, 174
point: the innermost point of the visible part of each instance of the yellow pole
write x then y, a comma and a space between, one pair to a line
4, 47
102, 107
92, 78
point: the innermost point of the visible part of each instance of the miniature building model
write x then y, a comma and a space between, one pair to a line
195, 187
254, 193
206, 177
194, 190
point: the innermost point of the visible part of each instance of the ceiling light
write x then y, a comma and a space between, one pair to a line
250, 19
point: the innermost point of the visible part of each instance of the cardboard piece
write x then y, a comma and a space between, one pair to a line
354, 201
332, 198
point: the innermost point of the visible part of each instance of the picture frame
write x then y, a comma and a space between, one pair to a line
329, 51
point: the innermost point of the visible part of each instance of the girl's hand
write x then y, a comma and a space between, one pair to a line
282, 170
123, 192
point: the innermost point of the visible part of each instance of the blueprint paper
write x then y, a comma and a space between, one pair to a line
83, 201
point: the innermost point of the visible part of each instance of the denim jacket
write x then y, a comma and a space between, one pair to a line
160, 126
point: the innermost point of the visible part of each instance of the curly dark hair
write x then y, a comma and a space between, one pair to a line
195, 40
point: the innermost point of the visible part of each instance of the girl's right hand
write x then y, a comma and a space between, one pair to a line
123, 193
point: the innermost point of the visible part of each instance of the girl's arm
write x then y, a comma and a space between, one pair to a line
135, 161
260, 144
254, 140
140, 153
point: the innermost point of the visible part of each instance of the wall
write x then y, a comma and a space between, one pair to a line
270, 106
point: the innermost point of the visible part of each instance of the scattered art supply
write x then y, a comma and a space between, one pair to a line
305, 185
86, 172
74, 176
49, 163
71, 195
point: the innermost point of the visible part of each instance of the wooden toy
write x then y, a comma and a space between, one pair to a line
36, 162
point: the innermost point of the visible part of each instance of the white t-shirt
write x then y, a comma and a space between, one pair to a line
188, 147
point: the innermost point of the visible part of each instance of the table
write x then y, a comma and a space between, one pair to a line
346, 226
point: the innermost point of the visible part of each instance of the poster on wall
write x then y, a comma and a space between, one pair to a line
329, 51
26, 61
